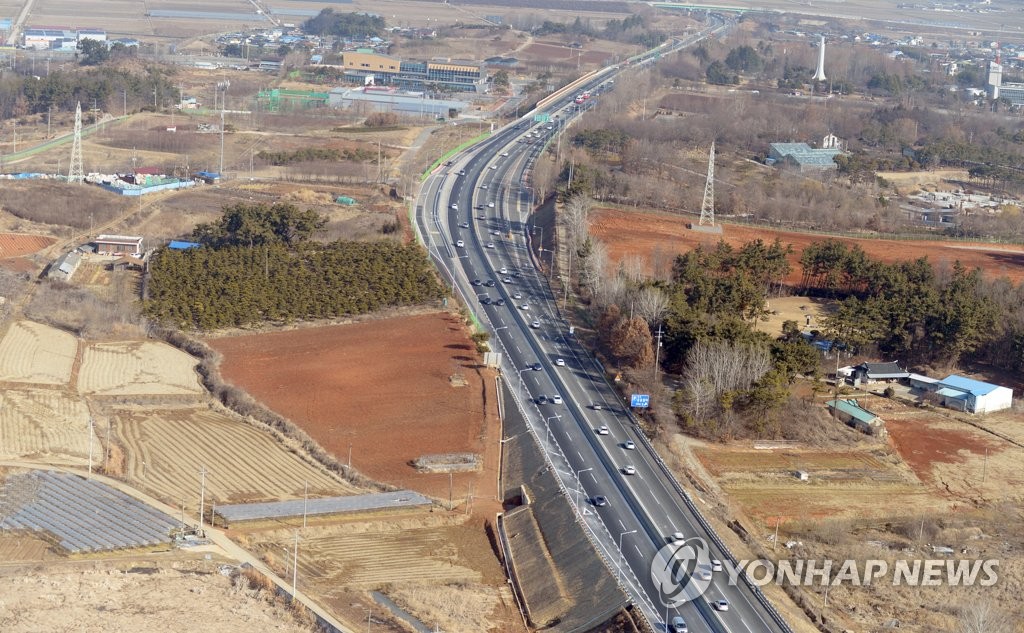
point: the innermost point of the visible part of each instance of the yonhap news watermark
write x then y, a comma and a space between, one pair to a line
685, 569
856, 573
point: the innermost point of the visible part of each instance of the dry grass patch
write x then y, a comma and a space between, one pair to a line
461, 607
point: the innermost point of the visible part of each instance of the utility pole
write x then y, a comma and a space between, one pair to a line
305, 501
657, 355
221, 172
295, 565
90, 446
202, 490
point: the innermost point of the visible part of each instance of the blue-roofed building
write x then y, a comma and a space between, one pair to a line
180, 245
973, 396
803, 157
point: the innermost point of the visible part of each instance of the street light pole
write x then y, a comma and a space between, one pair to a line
618, 573
579, 485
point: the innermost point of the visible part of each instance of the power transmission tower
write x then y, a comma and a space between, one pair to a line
76, 173
707, 207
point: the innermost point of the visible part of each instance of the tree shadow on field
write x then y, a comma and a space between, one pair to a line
459, 346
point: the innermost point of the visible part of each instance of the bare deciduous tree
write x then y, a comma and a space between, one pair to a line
575, 213
980, 616
713, 369
650, 304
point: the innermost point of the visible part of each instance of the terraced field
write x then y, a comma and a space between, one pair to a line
43, 422
17, 244
137, 368
36, 353
165, 451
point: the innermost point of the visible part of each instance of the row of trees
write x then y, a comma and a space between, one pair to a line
911, 311
106, 87
260, 263
345, 25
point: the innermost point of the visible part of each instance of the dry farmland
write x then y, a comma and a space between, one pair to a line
854, 483
16, 244
165, 450
137, 368
382, 389
43, 423
137, 594
36, 353
630, 232
439, 567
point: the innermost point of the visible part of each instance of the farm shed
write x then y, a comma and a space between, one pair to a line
973, 396
854, 415
118, 245
923, 383
65, 266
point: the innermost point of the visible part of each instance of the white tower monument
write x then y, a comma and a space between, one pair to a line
819, 75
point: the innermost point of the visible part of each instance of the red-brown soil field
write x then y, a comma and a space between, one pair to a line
18, 244
382, 387
641, 233
923, 445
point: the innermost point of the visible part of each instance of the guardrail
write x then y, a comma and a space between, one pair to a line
772, 611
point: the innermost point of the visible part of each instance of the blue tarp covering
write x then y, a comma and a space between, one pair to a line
179, 245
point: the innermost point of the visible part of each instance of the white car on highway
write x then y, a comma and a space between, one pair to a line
602, 430
460, 243
629, 469
490, 205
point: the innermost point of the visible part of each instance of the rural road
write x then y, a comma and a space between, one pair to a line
229, 548
474, 219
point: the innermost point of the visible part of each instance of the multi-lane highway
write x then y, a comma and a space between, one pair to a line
474, 217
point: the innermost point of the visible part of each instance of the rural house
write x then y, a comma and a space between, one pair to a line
879, 372
851, 413
118, 245
973, 396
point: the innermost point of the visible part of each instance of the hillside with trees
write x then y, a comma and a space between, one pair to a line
260, 263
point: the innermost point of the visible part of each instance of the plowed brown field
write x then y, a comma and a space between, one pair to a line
382, 388
18, 244
643, 233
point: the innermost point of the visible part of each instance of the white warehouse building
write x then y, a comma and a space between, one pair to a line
973, 396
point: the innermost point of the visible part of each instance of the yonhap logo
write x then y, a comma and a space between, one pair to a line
681, 571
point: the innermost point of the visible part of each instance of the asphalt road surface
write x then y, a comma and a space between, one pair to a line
473, 215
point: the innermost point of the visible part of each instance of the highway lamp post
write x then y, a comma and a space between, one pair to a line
579, 486
618, 573
547, 424
305, 502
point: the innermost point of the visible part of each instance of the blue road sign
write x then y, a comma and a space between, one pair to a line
640, 400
